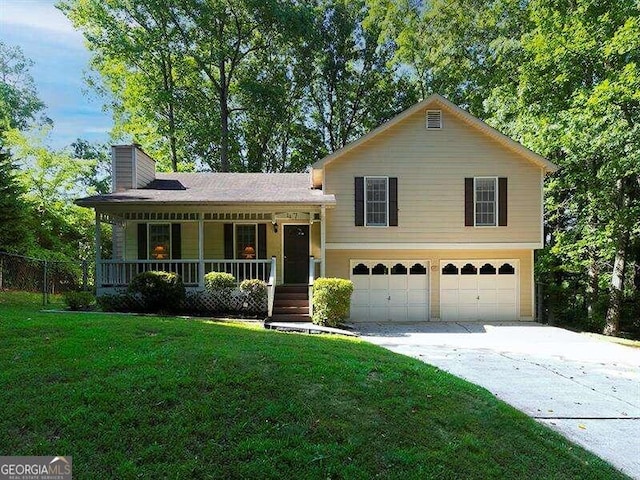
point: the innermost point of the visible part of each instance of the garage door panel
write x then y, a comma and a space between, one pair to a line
398, 314
379, 282
487, 297
398, 282
390, 290
449, 282
487, 282
417, 282
489, 294
506, 281
360, 298
416, 314
360, 312
468, 296
417, 297
468, 282
398, 297
505, 297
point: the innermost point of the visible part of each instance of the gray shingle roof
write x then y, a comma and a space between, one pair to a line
218, 188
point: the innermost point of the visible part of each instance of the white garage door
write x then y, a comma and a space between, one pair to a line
479, 290
390, 290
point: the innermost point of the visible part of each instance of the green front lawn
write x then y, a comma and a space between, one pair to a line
147, 397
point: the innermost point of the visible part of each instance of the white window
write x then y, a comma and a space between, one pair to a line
159, 245
246, 246
376, 201
486, 201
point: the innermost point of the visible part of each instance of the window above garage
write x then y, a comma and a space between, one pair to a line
376, 201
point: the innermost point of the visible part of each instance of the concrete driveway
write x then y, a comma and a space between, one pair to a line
583, 387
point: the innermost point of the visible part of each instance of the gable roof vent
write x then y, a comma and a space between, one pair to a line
434, 119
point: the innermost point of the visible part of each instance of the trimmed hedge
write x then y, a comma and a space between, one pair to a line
78, 301
216, 281
158, 291
220, 286
255, 292
331, 301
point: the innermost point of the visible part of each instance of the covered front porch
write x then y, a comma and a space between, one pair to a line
281, 245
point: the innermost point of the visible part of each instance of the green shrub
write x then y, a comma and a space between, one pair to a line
217, 281
255, 292
331, 301
158, 291
119, 302
220, 286
78, 301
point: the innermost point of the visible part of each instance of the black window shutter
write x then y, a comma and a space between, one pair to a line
393, 202
359, 191
142, 241
502, 201
228, 240
468, 202
176, 241
262, 240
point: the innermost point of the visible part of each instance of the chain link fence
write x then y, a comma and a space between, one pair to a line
36, 275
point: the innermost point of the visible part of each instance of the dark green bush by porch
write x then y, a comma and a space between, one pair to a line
255, 295
78, 301
220, 285
158, 291
331, 301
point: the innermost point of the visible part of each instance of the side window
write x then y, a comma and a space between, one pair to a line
485, 201
376, 201
159, 241
246, 246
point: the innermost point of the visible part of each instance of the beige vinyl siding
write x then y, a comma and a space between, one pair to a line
189, 240
117, 242
338, 266
431, 166
145, 169
131, 241
315, 240
123, 169
213, 240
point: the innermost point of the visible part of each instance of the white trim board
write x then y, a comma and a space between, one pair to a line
432, 246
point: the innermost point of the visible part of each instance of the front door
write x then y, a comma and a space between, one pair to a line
296, 253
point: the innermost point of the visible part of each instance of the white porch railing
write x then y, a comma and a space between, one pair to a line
314, 272
271, 287
118, 273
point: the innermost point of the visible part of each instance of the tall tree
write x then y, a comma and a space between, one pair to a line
183, 60
19, 102
353, 87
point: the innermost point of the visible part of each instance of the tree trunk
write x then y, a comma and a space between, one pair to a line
167, 74
224, 120
612, 326
593, 288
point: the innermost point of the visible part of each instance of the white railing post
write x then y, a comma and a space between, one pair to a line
98, 239
271, 287
201, 253
312, 273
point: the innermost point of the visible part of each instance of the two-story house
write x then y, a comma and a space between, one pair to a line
434, 215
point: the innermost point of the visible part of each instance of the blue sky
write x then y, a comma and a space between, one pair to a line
60, 63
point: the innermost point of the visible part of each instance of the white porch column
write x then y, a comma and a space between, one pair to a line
323, 241
98, 244
200, 251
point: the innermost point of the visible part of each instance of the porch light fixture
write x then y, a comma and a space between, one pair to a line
275, 227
